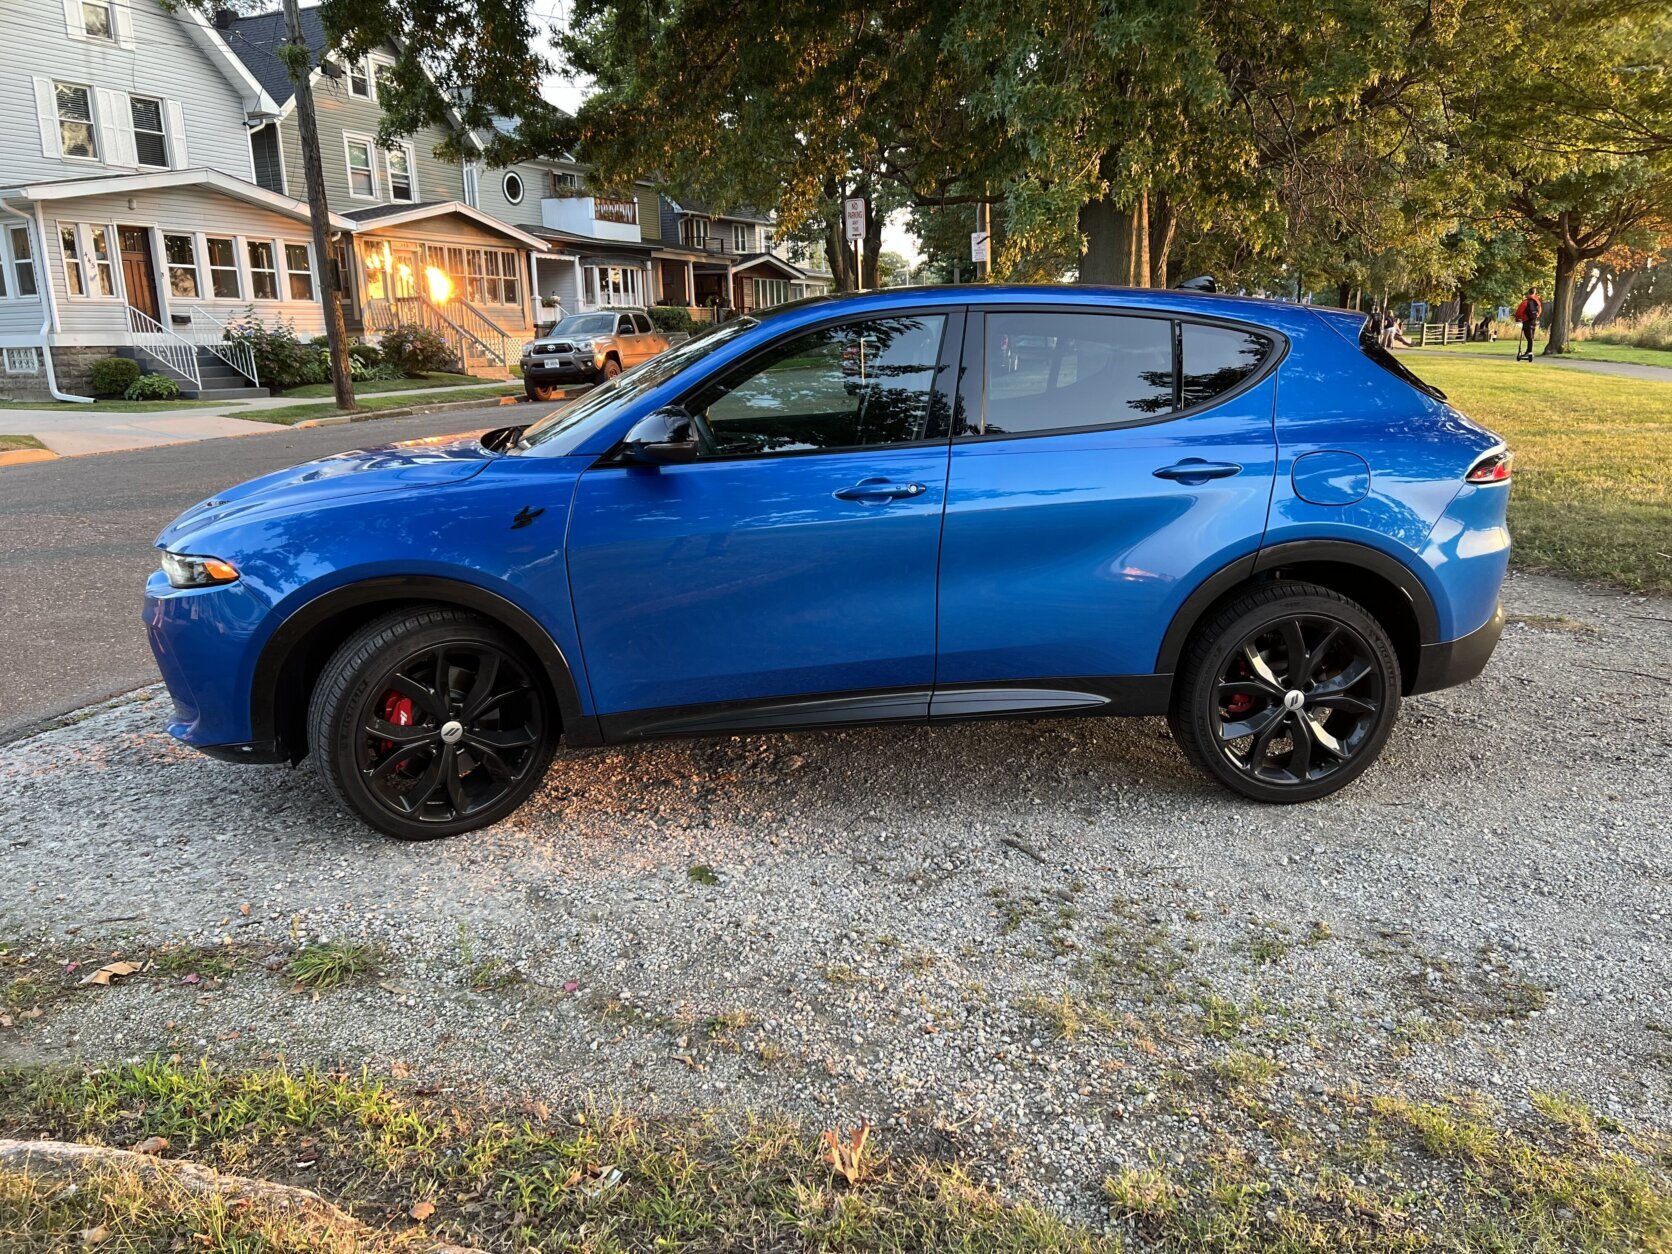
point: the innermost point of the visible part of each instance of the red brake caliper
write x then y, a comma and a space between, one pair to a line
397, 710
1241, 702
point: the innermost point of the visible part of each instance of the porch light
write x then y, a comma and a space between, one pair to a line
441, 287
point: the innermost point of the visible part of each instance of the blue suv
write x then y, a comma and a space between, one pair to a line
904, 507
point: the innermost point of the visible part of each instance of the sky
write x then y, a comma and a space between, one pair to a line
568, 93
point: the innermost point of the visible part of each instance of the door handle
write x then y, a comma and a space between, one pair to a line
879, 491
1194, 470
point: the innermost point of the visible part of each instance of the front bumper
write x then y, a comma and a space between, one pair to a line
559, 368
203, 640
1453, 662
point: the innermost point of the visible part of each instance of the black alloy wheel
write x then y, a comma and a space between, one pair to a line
429, 723
1289, 694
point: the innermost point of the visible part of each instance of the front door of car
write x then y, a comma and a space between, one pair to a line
795, 557
1106, 463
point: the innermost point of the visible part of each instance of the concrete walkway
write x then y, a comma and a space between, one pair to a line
72, 430
1625, 369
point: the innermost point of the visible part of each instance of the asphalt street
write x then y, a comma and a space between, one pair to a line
76, 547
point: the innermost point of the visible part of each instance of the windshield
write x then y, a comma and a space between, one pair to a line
585, 324
628, 387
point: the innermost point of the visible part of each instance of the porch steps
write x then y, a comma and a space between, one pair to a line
220, 382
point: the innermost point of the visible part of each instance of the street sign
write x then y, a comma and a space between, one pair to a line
981, 243
853, 210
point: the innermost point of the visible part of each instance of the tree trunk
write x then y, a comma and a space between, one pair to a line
1594, 276
1344, 294
1616, 297
319, 214
1561, 301
1163, 222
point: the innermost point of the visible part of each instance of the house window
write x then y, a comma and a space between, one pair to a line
23, 262
96, 20
298, 271
360, 79
223, 268
264, 274
472, 184
75, 122
739, 238
770, 292
87, 264
23, 361
150, 144
490, 275
75, 278
693, 232
362, 175
399, 161
564, 183
98, 249
180, 257
514, 188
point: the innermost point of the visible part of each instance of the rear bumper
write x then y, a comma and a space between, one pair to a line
1453, 662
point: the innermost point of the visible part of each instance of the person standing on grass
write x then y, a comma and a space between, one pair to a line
1527, 313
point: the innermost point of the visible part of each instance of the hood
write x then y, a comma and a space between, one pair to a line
430, 463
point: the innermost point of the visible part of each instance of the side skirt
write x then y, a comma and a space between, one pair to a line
1022, 698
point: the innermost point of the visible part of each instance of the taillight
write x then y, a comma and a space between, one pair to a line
1493, 468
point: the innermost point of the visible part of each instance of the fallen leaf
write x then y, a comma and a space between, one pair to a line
94, 1236
5, 1021
111, 971
244, 909
400, 1069
422, 1211
570, 986
152, 1145
34, 1013
70, 968
193, 978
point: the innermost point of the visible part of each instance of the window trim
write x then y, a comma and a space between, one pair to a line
505, 187
169, 267
349, 140
211, 269
161, 132
366, 74
972, 392
92, 123
310, 273
404, 146
942, 391
110, 17
276, 270
15, 264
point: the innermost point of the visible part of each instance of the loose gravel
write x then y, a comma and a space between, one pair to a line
1041, 946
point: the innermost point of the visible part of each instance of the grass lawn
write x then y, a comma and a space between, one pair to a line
1583, 350
289, 415
368, 387
1593, 465
117, 407
12, 443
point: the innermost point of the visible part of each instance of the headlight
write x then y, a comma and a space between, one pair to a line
186, 571
584, 345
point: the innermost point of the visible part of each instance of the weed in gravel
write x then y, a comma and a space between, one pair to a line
1242, 1070
331, 964
722, 1029
211, 962
841, 975
1067, 1016
702, 873
492, 974
1221, 1018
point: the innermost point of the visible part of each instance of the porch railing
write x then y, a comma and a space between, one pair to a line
154, 339
459, 323
481, 328
239, 354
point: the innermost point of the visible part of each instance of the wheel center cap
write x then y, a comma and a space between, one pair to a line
1292, 700
453, 732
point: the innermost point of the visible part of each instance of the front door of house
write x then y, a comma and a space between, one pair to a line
139, 275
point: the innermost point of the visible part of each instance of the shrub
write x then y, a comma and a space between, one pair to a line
152, 387
1649, 330
365, 354
415, 350
673, 318
282, 359
113, 376
360, 369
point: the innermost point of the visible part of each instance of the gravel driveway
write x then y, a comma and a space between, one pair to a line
1049, 947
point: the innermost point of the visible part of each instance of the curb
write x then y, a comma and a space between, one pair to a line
23, 456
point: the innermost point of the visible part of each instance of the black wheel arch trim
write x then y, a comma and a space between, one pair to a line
1290, 553
578, 728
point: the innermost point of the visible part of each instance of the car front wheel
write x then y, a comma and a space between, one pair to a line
1287, 694
611, 368
431, 722
543, 391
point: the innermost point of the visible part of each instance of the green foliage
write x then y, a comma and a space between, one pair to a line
152, 387
414, 350
673, 318
282, 358
112, 376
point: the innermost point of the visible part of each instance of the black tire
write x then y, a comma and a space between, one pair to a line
612, 367
1238, 676
542, 391
431, 722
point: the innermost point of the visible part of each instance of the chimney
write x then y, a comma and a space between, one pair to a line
224, 18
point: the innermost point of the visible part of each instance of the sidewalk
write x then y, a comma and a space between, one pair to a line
72, 430
1625, 369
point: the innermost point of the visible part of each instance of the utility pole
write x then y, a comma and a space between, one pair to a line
984, 228
298, 62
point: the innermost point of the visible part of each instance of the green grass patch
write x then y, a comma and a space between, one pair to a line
1593, 465
289, 415
12, 443
332, 964
369, 387
1581, 350
117, 407
500, 1178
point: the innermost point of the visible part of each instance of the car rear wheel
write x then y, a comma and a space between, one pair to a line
1288, 694
428, 723
543, 391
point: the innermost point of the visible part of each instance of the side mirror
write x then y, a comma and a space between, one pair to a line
663, 437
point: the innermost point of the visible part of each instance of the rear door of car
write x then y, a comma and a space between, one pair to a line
1105, 461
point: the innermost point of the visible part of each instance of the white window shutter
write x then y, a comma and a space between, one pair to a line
115, 127
72, 19
123, 14
46, 109
176, 116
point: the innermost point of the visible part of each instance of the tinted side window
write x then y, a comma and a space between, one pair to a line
847, 386
624, 325
642, 324
1216, 359
1051, 371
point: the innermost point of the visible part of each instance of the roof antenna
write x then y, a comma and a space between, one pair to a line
1201, 283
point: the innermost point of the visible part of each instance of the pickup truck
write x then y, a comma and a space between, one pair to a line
589, 348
